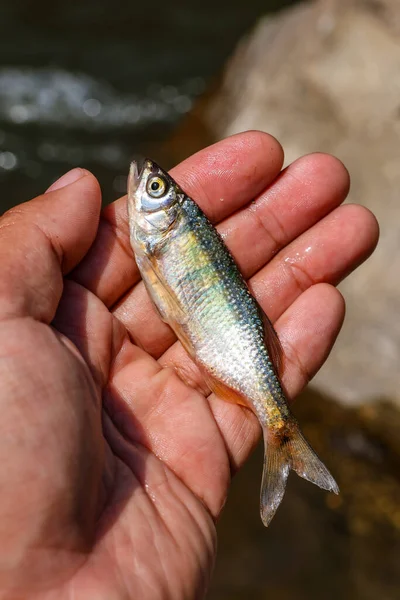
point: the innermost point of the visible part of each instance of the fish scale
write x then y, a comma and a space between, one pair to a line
199, 291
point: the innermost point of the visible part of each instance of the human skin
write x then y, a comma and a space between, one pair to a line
115, 459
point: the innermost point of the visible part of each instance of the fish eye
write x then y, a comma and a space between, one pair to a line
156, 187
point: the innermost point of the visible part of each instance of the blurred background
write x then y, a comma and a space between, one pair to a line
96, 84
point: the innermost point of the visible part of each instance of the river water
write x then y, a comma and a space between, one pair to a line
97, 83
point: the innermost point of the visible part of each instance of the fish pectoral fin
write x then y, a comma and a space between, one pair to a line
184, 340
165, 303
223, 391
283, 453
167, 306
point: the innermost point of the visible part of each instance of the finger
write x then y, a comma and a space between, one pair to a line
84, 320
43, 239
307, 330
327, 252
221, 178
305, 192
229, 174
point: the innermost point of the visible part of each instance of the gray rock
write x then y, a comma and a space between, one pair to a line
326, 77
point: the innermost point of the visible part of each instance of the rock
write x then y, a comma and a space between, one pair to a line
326, 77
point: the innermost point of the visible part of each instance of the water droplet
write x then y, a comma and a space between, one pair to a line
182, 104
8, 161
91, 107
295, 258
19, 113
132, 113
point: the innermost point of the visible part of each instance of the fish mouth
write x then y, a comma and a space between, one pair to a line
136, 172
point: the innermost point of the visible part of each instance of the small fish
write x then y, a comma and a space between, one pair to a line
199, 291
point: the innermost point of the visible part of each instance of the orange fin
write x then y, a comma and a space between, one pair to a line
223, 391
273, 344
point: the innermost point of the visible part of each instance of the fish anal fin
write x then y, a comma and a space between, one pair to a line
223, 391
273, 344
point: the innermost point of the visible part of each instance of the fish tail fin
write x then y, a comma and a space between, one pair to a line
282, 454
275, 473
307, 464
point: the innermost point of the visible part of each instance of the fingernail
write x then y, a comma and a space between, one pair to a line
66, 179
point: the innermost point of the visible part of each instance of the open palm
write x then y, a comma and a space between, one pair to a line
116, 460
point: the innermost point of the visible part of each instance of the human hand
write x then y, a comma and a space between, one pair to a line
116, 461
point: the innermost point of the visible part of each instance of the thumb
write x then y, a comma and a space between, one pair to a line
43, 239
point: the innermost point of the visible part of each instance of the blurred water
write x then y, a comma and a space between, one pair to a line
98, 83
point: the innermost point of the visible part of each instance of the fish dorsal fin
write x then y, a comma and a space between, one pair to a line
273, 345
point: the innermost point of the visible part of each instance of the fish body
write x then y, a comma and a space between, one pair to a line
199, 291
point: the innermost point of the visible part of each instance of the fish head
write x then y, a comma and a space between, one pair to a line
153, 199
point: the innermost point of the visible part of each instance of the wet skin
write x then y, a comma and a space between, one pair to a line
116, 461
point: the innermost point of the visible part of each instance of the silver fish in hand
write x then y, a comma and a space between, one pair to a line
199, 291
